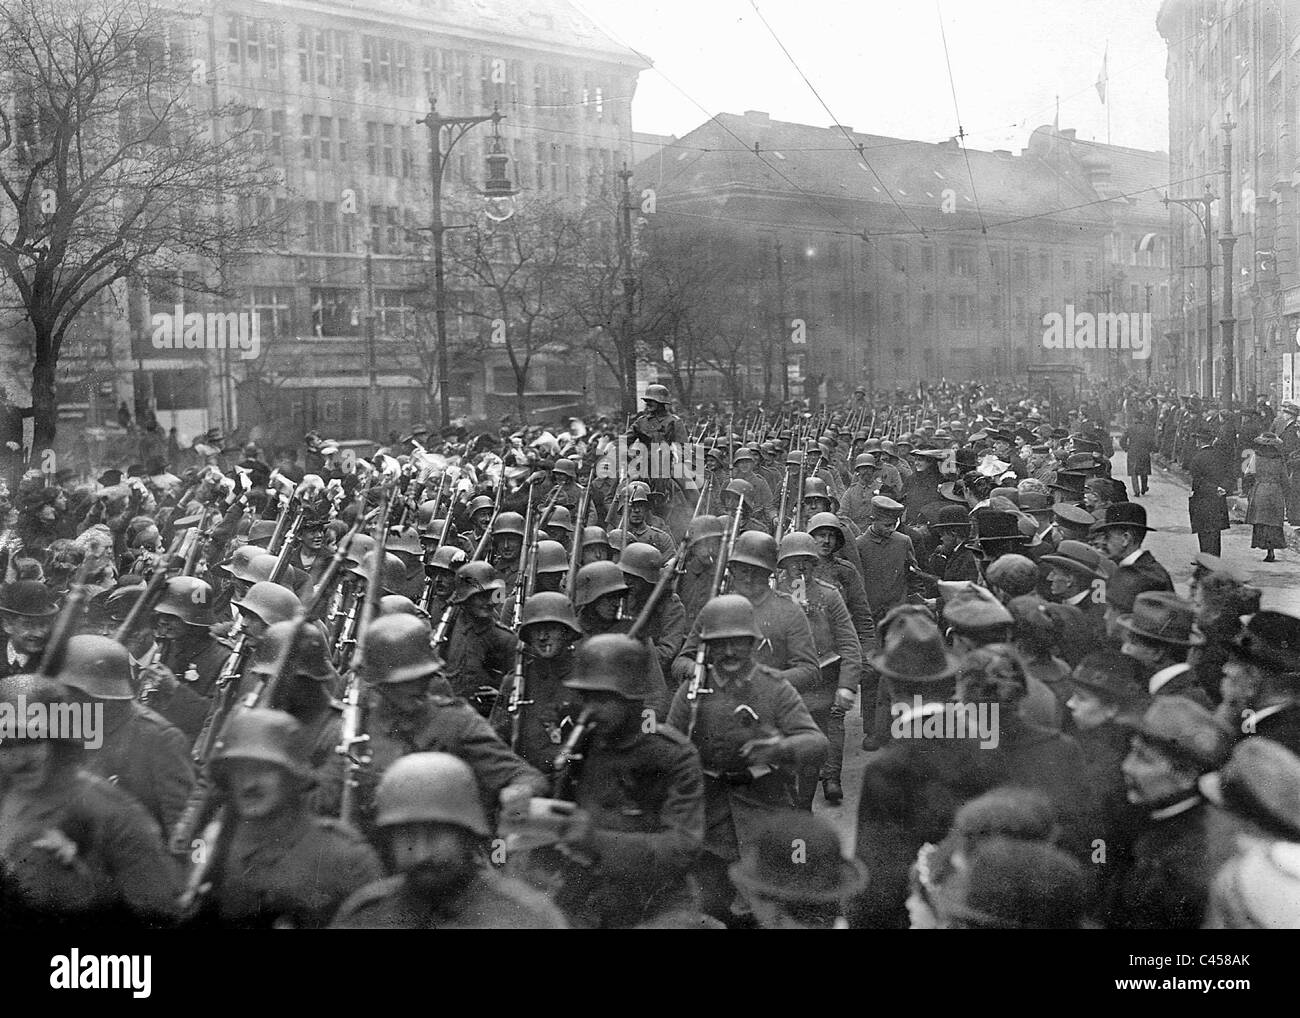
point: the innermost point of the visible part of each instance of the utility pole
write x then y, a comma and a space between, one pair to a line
781, 324
1227, 242
457, 128
628, 352
372, 393
1200, 208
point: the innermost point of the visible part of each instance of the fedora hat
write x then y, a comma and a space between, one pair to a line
1270, 639
1183, 729
1163, 617
1070, 481
820, 874
953, 491
1076, 557
28, 598
950, 517
1112, 676
914, 652
1123, 514
1260, 781
995, 525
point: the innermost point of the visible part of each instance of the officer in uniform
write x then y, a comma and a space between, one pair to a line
641, 566
838, 652
657, 423
435, 832
480, 651
548, 630
275, 865
754, 735
140, 751
414, 710
638, 789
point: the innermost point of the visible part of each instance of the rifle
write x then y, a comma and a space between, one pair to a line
150, 594
527, 555
697, 688
571, 752
798, 505
785, 502
352, 745
668, 575
356, 612
524, 585
579, 539
481, 548
65, 625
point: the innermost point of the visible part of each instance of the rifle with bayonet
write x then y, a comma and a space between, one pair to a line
697, 685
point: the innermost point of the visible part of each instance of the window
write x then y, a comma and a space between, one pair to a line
394, 236
277, 132
329, 232
342, 139
257, 129
961, 311
927, 257
835, 253
232, 44
1089, 270
402, 68
308, 137
312, 211
408, 153
335, 311
1067, 268
995, 311
898, 254
390, 150
377, 229
961, 261
927, 310
1022, 314
274, 309
270, 46
372, 146
541, 165
394, 315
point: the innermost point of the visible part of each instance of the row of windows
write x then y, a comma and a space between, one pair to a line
400, 68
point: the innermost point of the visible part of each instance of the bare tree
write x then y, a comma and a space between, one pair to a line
519, 277
115, 164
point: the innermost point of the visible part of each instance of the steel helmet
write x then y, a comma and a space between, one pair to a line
1016, 574
596, 579
392, 575
656, 394
566, 467
449, 557
475, 578
616, 539
739, 486
864, 460
98, 666
612, 663
643, 560
424, 515
727, 616
396, 604
820, 520
430, 788
260, 568
549, 606
237, 564
405, 543
592, 536
797, 545
189, 599
560, 519
270, 602
638, 491
551, 557
260, 734
508, 523
397, 650
310, 655
357, 549
793, 458
701, 528
479, 502
433, 533
755, 548
815, 487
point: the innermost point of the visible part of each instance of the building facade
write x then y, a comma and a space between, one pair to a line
1236, 63
912, 262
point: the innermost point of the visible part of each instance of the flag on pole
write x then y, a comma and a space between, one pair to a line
1103, 78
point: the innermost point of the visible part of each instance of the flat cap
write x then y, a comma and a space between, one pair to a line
885, 505
1183, 729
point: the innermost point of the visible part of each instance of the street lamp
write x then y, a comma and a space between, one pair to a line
1200, 208
498, 194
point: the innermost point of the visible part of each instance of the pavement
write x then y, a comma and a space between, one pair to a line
1173, 544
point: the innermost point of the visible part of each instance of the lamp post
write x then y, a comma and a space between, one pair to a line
1200, 208
499, 194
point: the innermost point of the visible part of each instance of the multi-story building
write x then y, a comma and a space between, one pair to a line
335, 91
1236, 63
909, 261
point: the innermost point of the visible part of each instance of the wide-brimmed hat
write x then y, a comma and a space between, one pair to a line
817, 874
1163, 617
995, 525
1076, 557
29, 598
1070, 481
950, 517
1123, 514
915, 653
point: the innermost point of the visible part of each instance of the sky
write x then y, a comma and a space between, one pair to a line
880, 68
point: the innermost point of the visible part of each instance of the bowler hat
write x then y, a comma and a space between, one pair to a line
914, 653
1123, 514
1164, 617
818, 873
1271, 639
29, 598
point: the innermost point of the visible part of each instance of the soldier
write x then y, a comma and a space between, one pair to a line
75, 851
414, 710
837, 568
435, 832
753, 732
704, 544
600, 595
179, 673
761, 493
638, 521
27, 610
732, 495
856, 503
818, 499
548, 630
275, 865
479, 510
786, 640
595, 546
657, 423
641, 565
480, 651
639, 796
141, 751
440, 570
507, 542
550, 567
839, 654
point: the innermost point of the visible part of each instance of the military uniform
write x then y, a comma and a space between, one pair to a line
645, 796
295, 870
695, 584
543, 722
489, 902
145, 755
659, 539
846, 579
479, 652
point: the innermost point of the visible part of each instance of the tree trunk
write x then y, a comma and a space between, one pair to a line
45, 410
521, 404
